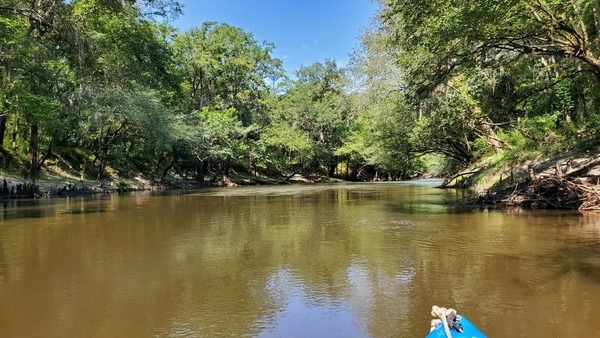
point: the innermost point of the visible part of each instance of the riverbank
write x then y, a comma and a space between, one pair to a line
13, 186
569, 181
54, 184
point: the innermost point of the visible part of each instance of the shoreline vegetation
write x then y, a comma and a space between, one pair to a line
13, 187
560, 183
502, 99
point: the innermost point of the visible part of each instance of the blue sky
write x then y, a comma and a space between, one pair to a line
303, 32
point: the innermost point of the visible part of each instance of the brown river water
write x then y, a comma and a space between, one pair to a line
351, 260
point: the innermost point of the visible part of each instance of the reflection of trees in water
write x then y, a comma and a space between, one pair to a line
317, 237
589, 222
43, 207
211, 265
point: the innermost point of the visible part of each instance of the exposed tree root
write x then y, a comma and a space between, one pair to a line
569, 191
551, 193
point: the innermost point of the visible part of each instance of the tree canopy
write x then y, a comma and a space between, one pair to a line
101, 88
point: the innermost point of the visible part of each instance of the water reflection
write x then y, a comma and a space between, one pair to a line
44, 207
332, 260
303, 312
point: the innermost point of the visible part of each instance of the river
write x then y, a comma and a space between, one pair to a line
340, 260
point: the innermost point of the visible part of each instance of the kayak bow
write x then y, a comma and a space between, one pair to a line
452, 324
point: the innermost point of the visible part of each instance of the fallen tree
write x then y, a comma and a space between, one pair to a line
576, 189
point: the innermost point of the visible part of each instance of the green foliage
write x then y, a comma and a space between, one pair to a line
491, 76
223, 65
223, 73
314, 109
123, 187
438, 165
283, 149
223, 135
435, 85
71, 79
117, 120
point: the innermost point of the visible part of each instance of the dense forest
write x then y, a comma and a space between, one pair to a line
107, 88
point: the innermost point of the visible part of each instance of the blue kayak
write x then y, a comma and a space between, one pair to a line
468, 330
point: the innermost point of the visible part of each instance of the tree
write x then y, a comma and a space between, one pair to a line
223, 65
472, 68
37, 76
117, 119
63, 57
447, 35
284, 149
382, 139
316, 104
223, 137
224, 72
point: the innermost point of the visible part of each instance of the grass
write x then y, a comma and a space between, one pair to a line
497, 169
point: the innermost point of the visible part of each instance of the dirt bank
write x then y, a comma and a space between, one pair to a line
571, 181
56, 185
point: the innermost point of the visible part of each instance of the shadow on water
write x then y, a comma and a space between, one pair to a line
434, 201
40, 208
580, 257
424, 207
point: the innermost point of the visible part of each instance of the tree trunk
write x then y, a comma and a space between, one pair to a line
100, 157
331, 167
101, 166
15, 132
3, 119
166, 171
226, 168
532, 175
34, 144
45, 156
581, 107
157, 168
200, 171
592, 61
347, 170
